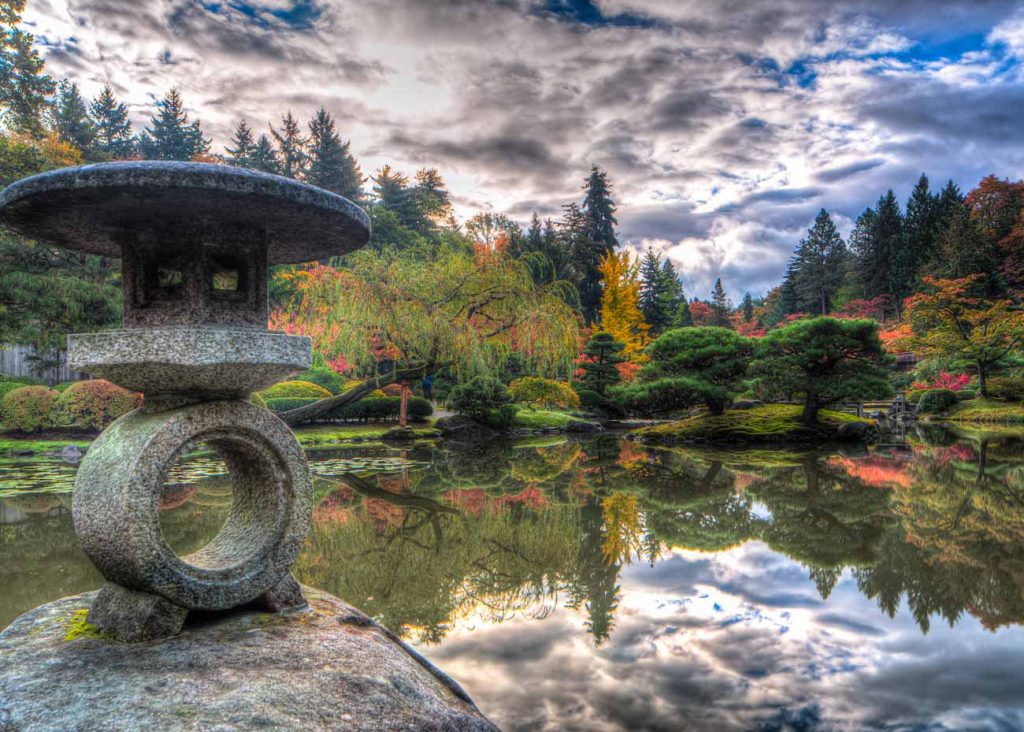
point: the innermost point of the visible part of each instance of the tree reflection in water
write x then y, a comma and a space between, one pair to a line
485, 535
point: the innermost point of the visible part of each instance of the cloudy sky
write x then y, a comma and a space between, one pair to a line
724, 124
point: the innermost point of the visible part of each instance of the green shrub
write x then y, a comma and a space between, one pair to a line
1010, 388
590, 399
545, 393
64, 386
28, 409
93, 404
965, 394
285, 404
668, 394
486, 400
380, 409
936, 400
914, 395
327, 378
295, 390
368, 409
259, 401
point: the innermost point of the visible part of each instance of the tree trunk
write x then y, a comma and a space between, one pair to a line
982, 380
299, 415
403, 410
811, 409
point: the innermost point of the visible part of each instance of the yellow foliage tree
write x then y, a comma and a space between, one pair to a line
620, 302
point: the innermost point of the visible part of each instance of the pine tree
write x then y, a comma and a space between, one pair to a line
291, 147
535, 235
243, 144
720, 306
264, 157
331, 164
748, 308
170, 135
601, 353
878, 239
393, 193
24, 87
70, 118
819, 266
920, 232
113, 126
432, 197
650, 271
670, 292
593, 235
682, 318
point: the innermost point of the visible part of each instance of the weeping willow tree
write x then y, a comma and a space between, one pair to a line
397, 316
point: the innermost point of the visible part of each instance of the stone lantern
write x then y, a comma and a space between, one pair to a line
195, 241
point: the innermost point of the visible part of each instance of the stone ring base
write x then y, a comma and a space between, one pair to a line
117, 490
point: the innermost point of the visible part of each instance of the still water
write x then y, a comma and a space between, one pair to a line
600, 585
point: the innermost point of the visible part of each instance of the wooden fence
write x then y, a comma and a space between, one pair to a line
17, 361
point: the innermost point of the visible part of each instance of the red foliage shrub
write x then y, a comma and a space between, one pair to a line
944, 380
28, 409
94, 404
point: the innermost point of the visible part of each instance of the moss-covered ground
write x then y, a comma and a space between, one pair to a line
41, 443
320, 435
769, 423
540, 419
984, 409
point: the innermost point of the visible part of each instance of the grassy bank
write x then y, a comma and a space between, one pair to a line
541, 419
768, 423
985, 409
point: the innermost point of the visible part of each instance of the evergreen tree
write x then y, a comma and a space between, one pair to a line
170, 135
601, 353
535, 235
720, 306
819, 266
291, 147
670, 292
113, 126
243, 144
264, 157
24, 87
748, 308
70, 117
682, 318
789, 298
432, 197
331, 163
593, 236
879, 246
650, 271
920, 233
392, 192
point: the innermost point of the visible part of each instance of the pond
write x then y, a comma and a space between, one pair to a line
600, 585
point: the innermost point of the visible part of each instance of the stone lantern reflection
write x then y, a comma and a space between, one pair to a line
195, 241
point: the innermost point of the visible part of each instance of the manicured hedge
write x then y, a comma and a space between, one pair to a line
1010, 388
10, 383
93, 404
327, 378
28, 409
295, 390
369, 409
936, 400
546, 393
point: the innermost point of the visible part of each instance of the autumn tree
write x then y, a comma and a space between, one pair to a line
954, 320
398, 315
825, 359
620, 302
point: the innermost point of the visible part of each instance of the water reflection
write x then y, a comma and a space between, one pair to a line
733, 589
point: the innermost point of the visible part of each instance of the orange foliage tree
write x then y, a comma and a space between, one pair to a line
952, 321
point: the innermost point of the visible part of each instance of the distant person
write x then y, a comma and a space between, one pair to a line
428, 387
